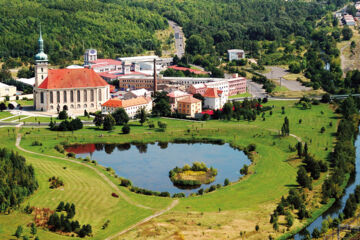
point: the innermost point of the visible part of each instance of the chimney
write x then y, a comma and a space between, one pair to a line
155, 77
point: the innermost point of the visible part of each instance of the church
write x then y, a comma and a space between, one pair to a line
77, 89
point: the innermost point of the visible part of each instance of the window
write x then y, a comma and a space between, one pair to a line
85, 95
78, 95
41, 97
42, 70
51, 97
100, 96
58, 96
92, 95
42, 77
71, 96
65, 96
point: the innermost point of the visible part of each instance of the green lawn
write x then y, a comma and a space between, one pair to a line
14, 118
5, 115
25, 102
241, 95
249, 201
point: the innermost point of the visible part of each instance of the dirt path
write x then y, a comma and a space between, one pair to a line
172, 205
343, 59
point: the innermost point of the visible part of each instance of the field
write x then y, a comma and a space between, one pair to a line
225, 212
241, 95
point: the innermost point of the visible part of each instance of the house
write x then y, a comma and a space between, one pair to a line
189, 106
349, 20
214, 98
131, 106
6, 90
175, 96
77, 89
236, 54
137, 93
197, 89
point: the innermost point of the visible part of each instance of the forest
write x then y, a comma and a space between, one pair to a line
69, 27
17, 180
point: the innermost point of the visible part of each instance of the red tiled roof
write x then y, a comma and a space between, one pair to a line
188, 69
117, 103
189, 99
212, 93
72, 78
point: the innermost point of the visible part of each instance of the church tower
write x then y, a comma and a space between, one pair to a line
41, 59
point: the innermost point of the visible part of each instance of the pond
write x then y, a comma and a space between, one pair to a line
148, 165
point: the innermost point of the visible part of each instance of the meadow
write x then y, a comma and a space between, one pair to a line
229, 211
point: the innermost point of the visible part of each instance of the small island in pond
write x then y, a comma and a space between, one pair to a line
194, 176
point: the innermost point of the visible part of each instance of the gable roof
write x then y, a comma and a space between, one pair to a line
212, 93
72, 78
117, 103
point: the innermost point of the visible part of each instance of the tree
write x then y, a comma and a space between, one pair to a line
63, 115
348, 107
162, 108
347, 33
120, 116
285, 129
19, 231
162, 125
325, 98
2, 106
299, 149
227, 111
142, 115
126, 129
200, 97
316, 233
295, 67
11, 106
33, 229
109, 123
302, 178
98, 120
195, 44
226, 182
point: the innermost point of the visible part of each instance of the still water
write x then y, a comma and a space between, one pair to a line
148, 165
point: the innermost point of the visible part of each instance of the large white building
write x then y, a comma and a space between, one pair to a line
6, 90
78, 89
236, 54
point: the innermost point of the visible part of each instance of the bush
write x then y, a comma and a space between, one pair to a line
126, 129
63, 115
70, 155
226, 182
36, 143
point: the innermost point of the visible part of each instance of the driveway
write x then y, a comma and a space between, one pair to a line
179, 38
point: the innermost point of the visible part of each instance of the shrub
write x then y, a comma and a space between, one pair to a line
36, 143
70, 155
226, 182
178, 195
126, 129
63, 115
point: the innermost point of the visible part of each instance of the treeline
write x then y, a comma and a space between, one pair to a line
17, 180
239, 24
69, 27
343, 157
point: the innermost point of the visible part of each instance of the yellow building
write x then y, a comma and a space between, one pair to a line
189, 106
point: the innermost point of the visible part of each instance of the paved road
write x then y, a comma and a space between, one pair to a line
278, 73
256, 89
179, 38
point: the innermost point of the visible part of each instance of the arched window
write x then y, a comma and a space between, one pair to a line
71, 96
100, 96
92, 95
58, 96
42, 97
85, 95
65, 96
51, 97
78, 95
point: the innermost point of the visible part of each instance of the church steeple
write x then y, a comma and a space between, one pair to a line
41, 56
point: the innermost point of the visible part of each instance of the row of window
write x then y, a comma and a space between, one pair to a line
72, 97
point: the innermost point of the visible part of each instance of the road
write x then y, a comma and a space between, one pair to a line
256, 89
179, 38
277, 74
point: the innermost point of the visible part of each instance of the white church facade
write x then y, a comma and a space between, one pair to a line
78, 89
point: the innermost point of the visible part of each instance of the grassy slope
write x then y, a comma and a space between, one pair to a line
249, 201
